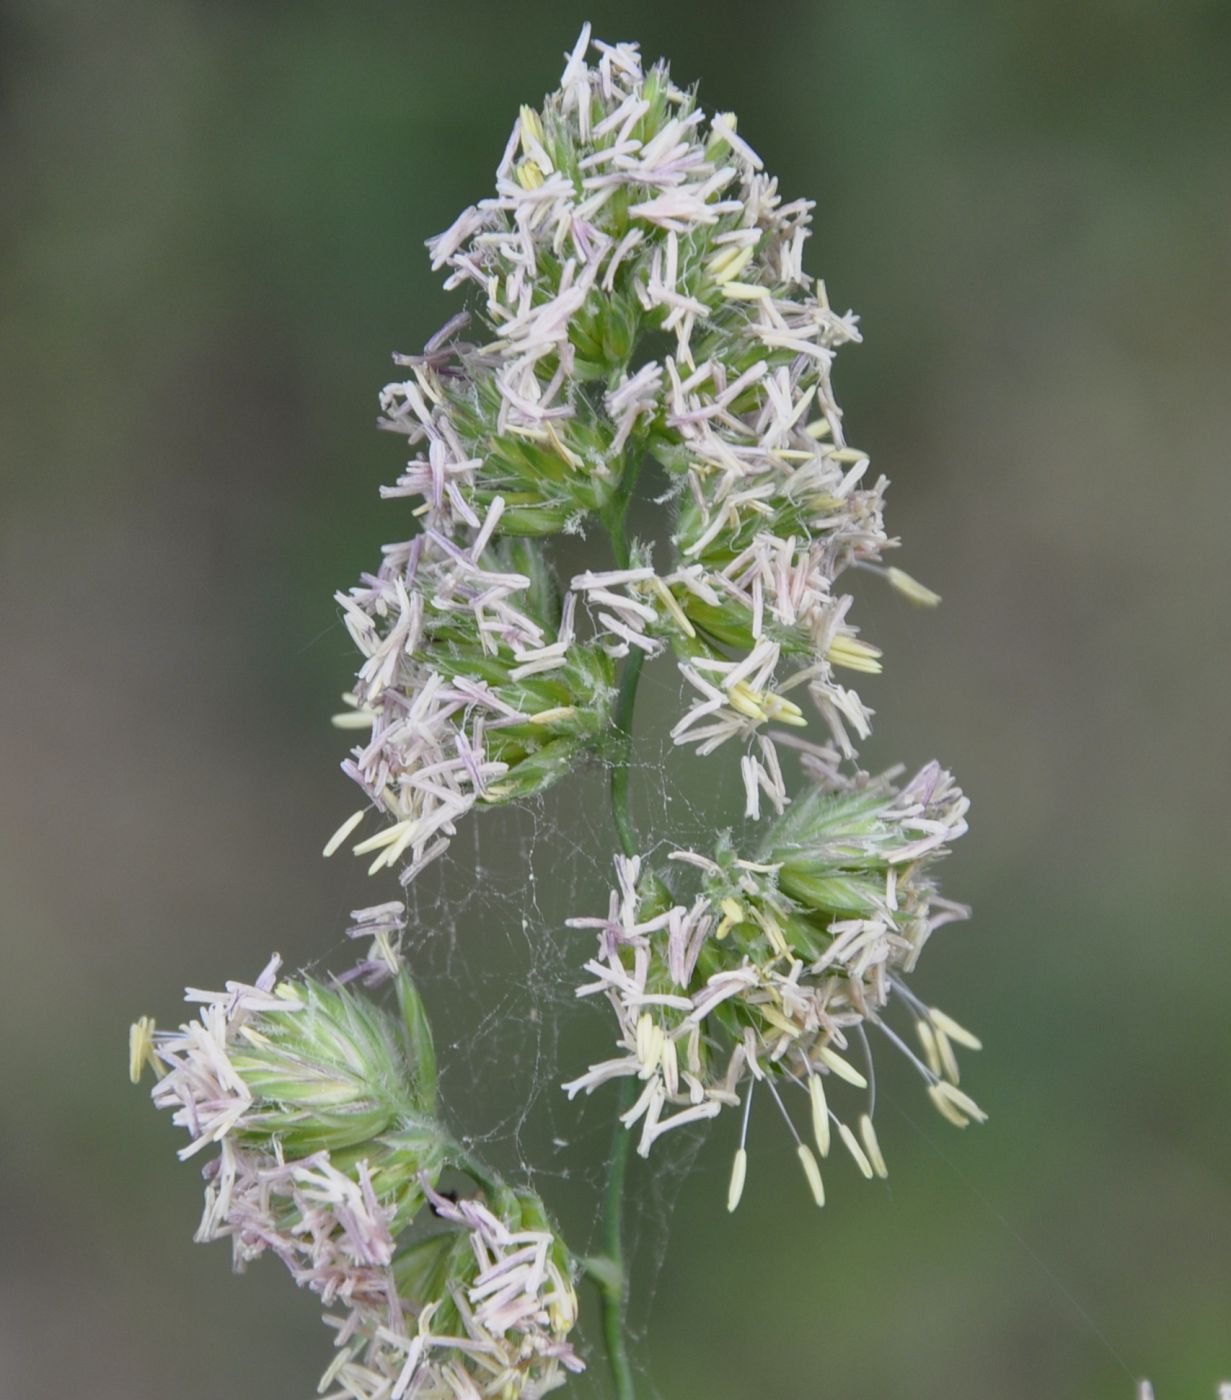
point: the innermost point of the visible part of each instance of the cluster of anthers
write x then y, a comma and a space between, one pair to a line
624, 224
330, 1158
781, 963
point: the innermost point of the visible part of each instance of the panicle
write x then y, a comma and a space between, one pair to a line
635, 288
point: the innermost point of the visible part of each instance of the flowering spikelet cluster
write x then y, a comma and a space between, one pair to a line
624, 221
473, 686
330, 1157
772, 972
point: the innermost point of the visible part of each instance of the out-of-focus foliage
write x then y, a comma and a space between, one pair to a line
212, 226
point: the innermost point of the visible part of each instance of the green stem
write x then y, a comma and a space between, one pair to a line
621, 804
479, 1172
614, 1287
613, 1280
626, 701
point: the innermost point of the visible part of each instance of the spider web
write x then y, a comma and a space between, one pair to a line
488, 946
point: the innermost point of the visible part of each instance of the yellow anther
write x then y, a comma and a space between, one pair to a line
393, 851
526, 431
849, 651
650, 1041
552, 716
141, 1049
729, 264
670, 1060
334, 1369
353, 719
744, 291
856, 1151
732, 913
747, 701
872, 1145
644, 1028
343, 831
562, 1310
842, 1068
430, 385
946, 1109
812, 1172
388, 837
820, 1114
764, 704
531, 128
566, 453
529, 176
948, 1059
957, 1107
779, 708
779, 1022
739, 1174
911, 588
773, 932
669, 602
389, 954
927, 1038
954, 1031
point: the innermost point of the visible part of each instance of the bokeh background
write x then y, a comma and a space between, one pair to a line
211, 217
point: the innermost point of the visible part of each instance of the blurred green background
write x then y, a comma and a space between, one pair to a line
212, 218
